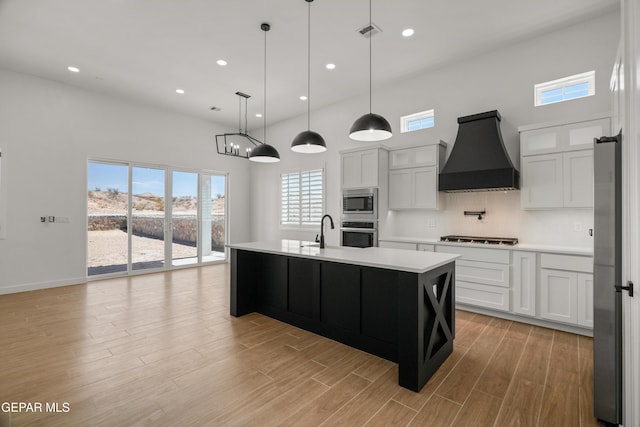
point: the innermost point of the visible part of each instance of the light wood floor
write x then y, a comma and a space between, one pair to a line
162, 350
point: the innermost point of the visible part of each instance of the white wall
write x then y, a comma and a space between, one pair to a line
48, 131
501, 80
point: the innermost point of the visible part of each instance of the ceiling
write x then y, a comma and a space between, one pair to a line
145, 49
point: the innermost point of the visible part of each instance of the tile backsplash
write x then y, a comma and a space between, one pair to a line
503, 218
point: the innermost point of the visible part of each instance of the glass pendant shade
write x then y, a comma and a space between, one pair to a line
264, 153
370, 127
308, 142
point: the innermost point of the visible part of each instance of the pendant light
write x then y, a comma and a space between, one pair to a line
370, 127
265, 153
308, 141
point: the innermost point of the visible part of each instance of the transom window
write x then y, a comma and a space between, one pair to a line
302, 197
417, 121
565, 89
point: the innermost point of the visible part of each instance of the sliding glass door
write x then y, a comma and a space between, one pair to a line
149, 218
184, 218
214, 218
107, 221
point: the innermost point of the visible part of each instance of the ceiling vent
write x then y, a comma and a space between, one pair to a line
369, 30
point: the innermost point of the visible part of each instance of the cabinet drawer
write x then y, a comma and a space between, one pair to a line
397, 245
426, 247
492, 297
498, 256
567, 262
483, 272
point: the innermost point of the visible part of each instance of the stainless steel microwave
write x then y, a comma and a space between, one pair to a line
360, 203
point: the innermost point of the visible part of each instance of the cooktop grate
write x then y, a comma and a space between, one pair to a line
510, 241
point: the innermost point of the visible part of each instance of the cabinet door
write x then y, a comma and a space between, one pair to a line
542, 183
340, 296
414, 157
539, 141
578, 179
585, 300
360, 169
580, 135
425, 188
524, 283
400, 189
369, 167
558, 295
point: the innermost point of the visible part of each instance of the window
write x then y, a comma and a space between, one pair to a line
302, 197
417, 121
144, 217
565, 89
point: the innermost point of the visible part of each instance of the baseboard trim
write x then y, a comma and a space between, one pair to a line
529, 320
26, 287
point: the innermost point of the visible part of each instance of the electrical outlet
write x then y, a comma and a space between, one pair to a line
43, 219
52, 218
431, 223
577, 226
62, 219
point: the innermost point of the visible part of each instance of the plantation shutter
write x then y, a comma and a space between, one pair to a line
312, 208
302, 197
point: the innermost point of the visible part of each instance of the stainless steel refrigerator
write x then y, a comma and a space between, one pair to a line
607, 285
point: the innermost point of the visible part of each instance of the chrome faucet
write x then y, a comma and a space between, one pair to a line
322, 229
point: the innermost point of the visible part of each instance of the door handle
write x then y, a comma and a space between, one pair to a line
628, 288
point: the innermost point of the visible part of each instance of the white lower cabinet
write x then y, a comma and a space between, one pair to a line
547, 286
482, 276
559, 295
524, 283
486, 296
566, 289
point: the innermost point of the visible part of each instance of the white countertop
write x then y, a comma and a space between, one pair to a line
531, 247
392, 259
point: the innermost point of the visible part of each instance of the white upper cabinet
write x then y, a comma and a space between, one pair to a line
413, 176
362, 168
557, 164
542, 181
567, 137
578, 179
414, 157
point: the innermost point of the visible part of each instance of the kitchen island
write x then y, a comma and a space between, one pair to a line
395, 304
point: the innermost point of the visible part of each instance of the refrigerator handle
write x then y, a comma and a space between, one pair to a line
628, 288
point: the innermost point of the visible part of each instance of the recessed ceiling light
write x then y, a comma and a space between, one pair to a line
303, 98
330, 66
407, 32
73, 69
258, 115
221, 62
180, 91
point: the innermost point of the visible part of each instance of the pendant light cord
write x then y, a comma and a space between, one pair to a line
264, 114
370, 61
309, 68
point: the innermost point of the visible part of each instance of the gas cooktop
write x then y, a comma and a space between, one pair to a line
509, 241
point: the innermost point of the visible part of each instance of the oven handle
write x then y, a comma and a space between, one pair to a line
362, 230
